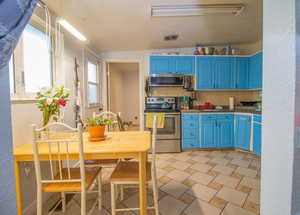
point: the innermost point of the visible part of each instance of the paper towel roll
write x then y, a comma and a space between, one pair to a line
231, 103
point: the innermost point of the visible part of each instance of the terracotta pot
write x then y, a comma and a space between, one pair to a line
96, 131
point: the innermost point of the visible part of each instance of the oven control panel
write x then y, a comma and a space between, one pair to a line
160, 100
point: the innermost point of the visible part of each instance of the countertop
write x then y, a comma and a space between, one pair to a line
237, 110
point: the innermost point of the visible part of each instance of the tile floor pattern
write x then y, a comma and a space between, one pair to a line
197, 183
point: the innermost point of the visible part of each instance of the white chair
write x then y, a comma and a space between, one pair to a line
57, 148
127, 173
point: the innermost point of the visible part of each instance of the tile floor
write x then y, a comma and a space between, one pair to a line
197, 183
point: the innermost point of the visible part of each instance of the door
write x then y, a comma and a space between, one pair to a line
255, 71
242, 132
159, 64
204, 73
185, 65
223, 72
241, 73
257, 138
207, 133
225, 133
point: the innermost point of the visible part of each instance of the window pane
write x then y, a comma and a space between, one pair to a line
11, 75
93, 94
37, 59
92, 72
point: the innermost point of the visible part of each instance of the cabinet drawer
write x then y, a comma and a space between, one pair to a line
190, 144
190, 133
190, 116
257, 118
208, 116
224, 116
190, 124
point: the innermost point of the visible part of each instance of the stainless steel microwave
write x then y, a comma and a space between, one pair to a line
171, 80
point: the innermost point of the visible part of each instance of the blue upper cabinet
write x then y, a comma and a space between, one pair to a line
222, 67
160, 64
240, 73
172, 65
255, 71
204, 73
242, 131
184, 65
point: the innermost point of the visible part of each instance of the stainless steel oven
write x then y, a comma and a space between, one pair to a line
168, 137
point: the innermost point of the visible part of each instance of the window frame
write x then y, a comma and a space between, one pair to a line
19, 93
91, 57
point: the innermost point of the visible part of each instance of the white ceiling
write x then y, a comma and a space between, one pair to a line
116, 25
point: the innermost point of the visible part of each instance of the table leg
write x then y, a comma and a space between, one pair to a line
143, 183
18, 187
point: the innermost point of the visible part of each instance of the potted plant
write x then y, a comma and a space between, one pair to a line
96, 127
50, 101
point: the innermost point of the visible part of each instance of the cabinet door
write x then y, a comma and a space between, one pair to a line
222, 67
185, 65
241, 73
225, 133
242, 132
159, 64
255, 71
207, 133
257, 138
204, 73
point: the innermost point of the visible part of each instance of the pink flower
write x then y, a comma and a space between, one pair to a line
62, 102
46, 105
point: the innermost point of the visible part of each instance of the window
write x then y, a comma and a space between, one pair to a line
37, 60
93, 83
31, 66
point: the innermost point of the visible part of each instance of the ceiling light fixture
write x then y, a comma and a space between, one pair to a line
71, 29
196, 10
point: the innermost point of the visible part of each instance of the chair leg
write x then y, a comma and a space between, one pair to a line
83, 202
113, 199
63, 201
121, 192
39, 201
99, 191
155, 196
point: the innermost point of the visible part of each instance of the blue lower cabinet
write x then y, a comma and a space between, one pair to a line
257, 141
190, 143
225, 133
208, 133
257, 138
190, 131
242, 131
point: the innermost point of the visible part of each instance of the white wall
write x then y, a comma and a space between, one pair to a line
280, 101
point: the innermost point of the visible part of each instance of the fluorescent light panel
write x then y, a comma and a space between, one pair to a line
196, 10
71, 29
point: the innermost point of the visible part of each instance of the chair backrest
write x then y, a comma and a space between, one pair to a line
55, 144
116, 119
153, 146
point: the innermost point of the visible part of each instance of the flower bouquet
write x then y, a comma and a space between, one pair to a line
50, 102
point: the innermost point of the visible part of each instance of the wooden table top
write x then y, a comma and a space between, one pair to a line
117, 144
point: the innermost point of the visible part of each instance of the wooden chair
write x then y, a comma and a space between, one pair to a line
52, 146
127, 173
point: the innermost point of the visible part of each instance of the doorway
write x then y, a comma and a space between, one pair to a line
123, 92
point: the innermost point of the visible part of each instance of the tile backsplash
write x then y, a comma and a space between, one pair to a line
214, 97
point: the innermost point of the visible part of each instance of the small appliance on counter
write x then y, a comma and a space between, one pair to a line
169, 137
207, 106
250, 105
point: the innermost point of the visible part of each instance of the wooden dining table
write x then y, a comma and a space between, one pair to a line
117, 145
